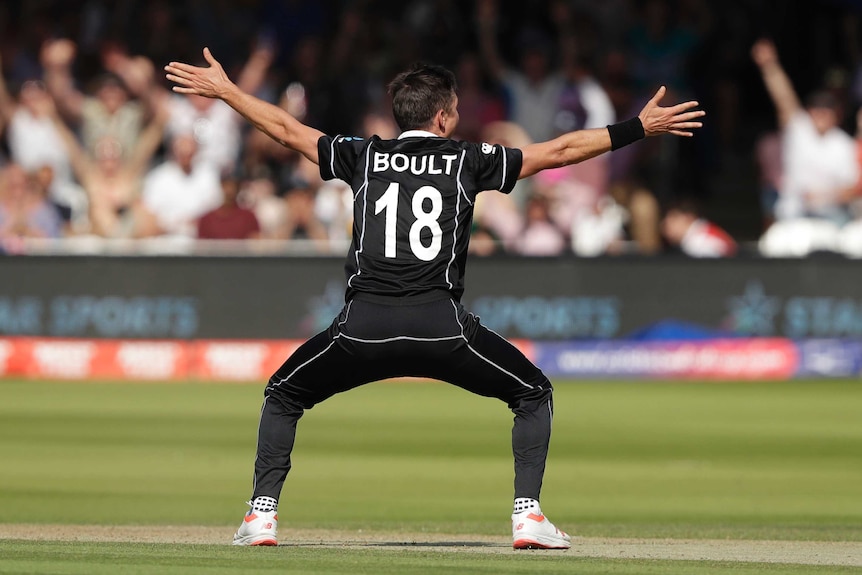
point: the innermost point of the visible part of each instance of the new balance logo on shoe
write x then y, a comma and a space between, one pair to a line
258, 528
534, 531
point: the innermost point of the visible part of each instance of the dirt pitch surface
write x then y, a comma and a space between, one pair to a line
797, 552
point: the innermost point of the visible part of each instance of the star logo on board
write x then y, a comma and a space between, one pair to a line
753, 313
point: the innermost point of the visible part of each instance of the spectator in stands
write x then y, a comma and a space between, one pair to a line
540, 236
179, 191
24, 210
599, 230
34, 141
502, 215
684, 228
580, 204
111, 111
767, 151
820, 166
849, 240
260, 196
301, 222
534, 88
214, 125
229, 221
483, 242
301, 219
659, 44
477, 106
111, 179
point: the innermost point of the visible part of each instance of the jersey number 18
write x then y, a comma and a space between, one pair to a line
388, 204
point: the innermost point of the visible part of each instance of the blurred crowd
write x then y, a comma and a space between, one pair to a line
94, 143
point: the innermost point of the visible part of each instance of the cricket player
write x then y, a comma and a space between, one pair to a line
413, 206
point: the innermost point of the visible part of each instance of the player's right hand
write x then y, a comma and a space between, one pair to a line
676, 120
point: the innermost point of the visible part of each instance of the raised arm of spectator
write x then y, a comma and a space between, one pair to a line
343, 49
212, 82
777, 82
486, 20
581, 145
150, 137
57, 57
80, 161
253, 73
561, 16
7, 103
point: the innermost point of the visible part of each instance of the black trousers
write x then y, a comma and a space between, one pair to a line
378, 338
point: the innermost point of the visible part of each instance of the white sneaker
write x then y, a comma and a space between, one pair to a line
258, 528
532, 530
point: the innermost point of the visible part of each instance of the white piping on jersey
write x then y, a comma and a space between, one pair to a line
364, 190
399, 338
386, 340
346, 314
482, 357
332, 155
457, 213
503, 180
458, 179
303, 364
417, 134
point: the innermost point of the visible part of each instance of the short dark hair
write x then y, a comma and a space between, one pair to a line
419, 93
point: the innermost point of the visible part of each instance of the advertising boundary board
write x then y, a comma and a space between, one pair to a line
741, 359
540, 299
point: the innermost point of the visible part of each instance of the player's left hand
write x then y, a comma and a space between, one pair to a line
676, 120
210, 82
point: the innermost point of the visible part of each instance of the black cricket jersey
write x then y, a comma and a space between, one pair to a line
413, 207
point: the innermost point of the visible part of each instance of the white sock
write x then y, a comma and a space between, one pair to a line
264, 504
523, 504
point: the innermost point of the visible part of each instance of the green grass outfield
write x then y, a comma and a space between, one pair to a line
644, 460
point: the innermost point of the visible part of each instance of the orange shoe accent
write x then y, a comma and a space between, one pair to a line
530, 544
250, 518
265, 543
536, 518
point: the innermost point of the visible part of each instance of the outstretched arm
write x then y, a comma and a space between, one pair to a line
212, 82
777, 82
7, 103
486, 20
581, 145
57, 57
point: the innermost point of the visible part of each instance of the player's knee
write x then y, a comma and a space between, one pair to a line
534, 396
290, 397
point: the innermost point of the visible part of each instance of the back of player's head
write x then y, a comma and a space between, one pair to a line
419, 93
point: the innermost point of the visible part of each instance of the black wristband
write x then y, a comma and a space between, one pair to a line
625, 133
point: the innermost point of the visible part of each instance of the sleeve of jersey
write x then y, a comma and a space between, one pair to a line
497, 167
338, 156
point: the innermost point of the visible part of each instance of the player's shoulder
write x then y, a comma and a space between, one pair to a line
340, 139
482, 153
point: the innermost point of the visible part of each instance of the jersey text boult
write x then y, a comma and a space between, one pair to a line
418, 165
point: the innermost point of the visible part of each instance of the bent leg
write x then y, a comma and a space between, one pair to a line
488, 365
319, 369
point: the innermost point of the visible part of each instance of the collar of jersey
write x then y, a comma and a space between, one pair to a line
417, 134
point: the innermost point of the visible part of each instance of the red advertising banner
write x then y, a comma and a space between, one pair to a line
143, 360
